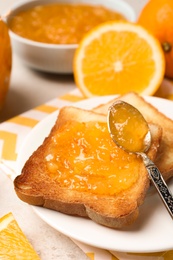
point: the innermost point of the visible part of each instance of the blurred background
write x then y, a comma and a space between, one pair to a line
29, 88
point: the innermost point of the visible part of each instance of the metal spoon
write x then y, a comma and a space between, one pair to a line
124, 124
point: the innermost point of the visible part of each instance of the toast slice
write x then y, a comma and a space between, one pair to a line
86, 190
164, 159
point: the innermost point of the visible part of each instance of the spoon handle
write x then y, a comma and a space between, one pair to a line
160, 184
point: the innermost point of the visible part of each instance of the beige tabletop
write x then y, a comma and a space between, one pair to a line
29, 89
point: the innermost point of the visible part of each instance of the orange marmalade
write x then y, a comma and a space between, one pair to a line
83, 157
60, 23
128, 127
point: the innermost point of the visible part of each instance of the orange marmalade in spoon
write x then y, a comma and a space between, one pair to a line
83, 157
128, 128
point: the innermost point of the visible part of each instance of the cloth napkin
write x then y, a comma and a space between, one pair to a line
14, 131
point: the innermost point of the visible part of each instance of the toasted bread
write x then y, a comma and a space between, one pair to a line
36, 186
164, 159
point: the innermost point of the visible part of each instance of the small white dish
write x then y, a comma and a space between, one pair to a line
153, 230
55, 58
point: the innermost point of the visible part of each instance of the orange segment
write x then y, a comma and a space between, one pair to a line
118, 57
13, 243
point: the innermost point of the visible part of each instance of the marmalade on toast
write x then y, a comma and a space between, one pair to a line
83, 157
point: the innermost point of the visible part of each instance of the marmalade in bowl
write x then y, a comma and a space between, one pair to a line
83, 157
60, 23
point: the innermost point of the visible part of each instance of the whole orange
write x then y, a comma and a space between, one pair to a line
157, 16
5, 61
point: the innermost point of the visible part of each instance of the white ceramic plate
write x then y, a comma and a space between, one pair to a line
152, 232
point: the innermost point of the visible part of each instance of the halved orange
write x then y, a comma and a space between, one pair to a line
13, 242
118, 57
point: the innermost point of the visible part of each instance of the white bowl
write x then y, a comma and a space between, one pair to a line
55, 58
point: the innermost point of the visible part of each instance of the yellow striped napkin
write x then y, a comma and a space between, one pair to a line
14, 131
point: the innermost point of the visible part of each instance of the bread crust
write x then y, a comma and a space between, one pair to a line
35, 186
